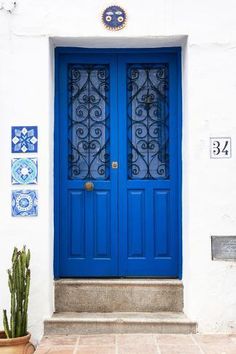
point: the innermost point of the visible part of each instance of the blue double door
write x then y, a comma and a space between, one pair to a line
117, 162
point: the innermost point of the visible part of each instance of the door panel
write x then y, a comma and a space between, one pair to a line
102, 224
122, 108
148, 176
88, 142
76, 223
136, 224
161, 202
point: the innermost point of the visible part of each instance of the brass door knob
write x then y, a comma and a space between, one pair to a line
114, 164
89, 186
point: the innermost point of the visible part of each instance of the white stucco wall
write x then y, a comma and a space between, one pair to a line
207, 31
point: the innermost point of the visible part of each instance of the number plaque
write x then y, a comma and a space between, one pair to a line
220, 148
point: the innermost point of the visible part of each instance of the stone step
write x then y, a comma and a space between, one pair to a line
118, 322
118, 295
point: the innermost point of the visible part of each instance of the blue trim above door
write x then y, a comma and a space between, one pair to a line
126, 267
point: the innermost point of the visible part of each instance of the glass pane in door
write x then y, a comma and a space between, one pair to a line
148, 121
88, 121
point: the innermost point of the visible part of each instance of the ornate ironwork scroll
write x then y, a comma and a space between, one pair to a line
89, 120
148, 119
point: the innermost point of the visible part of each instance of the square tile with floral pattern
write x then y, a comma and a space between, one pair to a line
24, 139
24, 203
24, 171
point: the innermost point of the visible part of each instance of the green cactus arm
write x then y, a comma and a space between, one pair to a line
18, 324
14, 293
26, 303
24, 292
21, 283
10, 281
13, 314
28, 259
14, 255
6, 325
23, 260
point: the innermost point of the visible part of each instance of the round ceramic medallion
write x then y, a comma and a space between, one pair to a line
24, 202
114, 18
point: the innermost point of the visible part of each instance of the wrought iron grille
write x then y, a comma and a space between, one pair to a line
148, 119
89, 121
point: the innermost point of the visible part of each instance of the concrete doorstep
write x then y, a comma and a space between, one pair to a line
118, 322
115, 306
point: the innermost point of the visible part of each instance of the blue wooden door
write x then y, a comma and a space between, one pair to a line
117, 152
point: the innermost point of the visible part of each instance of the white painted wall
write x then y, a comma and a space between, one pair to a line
207, 31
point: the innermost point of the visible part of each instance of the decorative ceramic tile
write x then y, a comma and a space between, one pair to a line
24, 139
24, 203
114, 18
24, 171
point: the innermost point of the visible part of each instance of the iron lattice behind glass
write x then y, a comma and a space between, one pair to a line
148, 121
88, 121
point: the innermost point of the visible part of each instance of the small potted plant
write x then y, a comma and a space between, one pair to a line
15, 339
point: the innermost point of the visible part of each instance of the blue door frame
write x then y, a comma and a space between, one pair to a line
133, 195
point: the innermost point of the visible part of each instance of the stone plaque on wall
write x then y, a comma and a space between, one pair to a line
223, 248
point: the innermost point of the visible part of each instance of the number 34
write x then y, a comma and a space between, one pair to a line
221, 147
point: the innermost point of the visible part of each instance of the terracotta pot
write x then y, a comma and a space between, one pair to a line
20, 345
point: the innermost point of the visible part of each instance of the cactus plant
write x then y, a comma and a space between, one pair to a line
19, 286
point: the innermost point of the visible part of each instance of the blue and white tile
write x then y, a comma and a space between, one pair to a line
24, 203
24, 171
24, 139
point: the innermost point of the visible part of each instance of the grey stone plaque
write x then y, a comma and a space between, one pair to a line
223, 248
